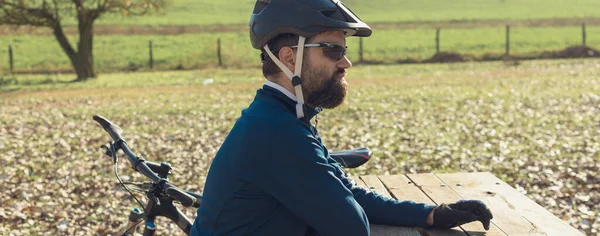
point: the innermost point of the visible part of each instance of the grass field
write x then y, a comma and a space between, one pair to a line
118, 52
534, 125
205, 12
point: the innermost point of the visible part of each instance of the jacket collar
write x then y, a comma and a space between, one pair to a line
275, 90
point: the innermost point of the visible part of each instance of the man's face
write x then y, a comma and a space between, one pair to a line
323, 80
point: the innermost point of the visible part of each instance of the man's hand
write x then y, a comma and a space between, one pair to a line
462, 212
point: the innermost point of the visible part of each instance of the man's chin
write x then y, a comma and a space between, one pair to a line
344, 81
335, 102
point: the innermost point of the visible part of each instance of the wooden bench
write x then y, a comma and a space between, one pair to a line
514, 213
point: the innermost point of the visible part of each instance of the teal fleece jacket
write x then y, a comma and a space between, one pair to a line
273, 176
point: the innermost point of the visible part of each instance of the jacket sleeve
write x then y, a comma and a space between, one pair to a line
384, 210
297, 173
389, 211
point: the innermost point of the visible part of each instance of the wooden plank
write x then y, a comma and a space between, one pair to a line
514, 213
373, 183
507, 219
441, 193
402, 188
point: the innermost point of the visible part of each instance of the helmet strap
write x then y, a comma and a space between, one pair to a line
294, 77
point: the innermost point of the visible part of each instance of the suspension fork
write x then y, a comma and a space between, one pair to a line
135, 218
150, 228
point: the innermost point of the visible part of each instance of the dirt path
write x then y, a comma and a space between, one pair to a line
182, 29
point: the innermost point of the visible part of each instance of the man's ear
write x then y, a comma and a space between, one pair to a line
287, 56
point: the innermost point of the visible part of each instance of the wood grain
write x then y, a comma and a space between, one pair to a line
374, 184
441, 193
402, 188
514, 213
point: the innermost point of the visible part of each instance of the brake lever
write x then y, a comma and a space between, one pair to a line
110, 151
107, 150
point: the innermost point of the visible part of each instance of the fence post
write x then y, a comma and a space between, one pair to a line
219, 51
507, 40
151, 62
10, 59
437, 40
583, 33
360, 50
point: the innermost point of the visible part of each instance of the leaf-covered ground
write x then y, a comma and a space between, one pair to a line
536, 126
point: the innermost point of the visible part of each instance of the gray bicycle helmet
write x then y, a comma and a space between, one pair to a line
302, 17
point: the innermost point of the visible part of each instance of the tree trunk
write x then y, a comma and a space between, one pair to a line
60, 36
84, 63
82, 60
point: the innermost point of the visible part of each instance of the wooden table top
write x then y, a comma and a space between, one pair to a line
514, 213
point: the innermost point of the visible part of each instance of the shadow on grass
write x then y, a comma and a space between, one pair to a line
10, 90
7, 80
12, 80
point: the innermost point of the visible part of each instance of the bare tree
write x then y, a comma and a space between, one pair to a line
50, 13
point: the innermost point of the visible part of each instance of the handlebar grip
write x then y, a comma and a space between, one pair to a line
198, 198
113, 130
185, 199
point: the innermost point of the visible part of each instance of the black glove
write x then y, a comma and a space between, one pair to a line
461, 212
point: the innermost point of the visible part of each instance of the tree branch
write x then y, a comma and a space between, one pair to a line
18, 13
78, 4
48, 13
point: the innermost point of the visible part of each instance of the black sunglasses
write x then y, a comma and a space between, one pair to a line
332, 51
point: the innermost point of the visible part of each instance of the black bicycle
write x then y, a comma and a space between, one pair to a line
162, 195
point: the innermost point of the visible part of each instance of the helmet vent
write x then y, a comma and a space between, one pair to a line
339, 14
260, 5
328, 13
335, 14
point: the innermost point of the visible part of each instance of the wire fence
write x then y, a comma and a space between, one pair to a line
234, 51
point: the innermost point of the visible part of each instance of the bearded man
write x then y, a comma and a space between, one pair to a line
273, 175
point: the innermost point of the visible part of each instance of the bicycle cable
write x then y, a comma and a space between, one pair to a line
115, 161
137, 187
134, 225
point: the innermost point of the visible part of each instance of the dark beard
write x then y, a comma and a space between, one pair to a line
330, 94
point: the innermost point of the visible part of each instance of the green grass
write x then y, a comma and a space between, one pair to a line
510, 120
205, 12
132, 80
413, 75
118, 52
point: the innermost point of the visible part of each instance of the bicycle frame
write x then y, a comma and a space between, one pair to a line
167, 209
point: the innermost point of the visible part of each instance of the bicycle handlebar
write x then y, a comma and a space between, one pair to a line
113, 130
140, 165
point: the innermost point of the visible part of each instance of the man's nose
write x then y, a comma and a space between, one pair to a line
344, 63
